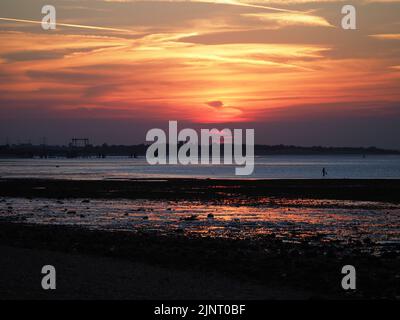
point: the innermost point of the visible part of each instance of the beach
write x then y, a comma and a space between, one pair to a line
277, 239
121, 279
204, 189
217, 268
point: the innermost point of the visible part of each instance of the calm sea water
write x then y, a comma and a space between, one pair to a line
267, 167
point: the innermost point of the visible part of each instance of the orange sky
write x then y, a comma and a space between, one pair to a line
212, 62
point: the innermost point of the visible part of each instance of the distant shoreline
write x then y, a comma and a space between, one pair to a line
132, 151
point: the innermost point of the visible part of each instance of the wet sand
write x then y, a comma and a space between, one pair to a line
313, 220
268, 266
204, 189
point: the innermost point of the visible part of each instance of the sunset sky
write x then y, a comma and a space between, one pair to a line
118, 68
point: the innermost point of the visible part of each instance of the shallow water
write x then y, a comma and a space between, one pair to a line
314, 221
270, 167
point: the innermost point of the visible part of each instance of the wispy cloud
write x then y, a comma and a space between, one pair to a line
249, 4
67, 25
287, 19
386, 36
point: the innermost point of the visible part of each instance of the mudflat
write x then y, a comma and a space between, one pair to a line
205, 189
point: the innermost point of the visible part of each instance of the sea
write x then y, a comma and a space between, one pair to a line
266, 167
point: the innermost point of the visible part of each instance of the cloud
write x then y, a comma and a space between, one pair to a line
215, 104
249, 4
33, 55
288, 19
67, 25
386, 36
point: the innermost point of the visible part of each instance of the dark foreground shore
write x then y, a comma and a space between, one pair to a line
205, 189
84, 276
149, 265
118, 265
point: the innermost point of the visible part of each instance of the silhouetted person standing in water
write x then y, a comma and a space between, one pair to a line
324, 172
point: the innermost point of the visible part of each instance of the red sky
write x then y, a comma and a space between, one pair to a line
285, 68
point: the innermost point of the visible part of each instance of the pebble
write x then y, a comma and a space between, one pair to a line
190, 218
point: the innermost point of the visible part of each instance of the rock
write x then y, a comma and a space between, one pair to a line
210, 216
367, 241
193, 217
